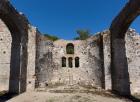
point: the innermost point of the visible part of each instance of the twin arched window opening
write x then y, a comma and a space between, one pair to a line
70, 62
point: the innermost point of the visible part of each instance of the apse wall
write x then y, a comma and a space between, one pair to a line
49, 69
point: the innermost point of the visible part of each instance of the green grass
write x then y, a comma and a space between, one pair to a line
2, 93
136, 96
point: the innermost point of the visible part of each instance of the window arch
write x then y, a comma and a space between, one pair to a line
70, 60
77, 62
63, 61
70, 48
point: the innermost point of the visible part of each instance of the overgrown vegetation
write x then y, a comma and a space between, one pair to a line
51, 37
82, 34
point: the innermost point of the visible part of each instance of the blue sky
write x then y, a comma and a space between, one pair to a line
63, 17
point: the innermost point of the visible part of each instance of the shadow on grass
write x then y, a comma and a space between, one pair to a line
134, 99
5, 97
130, 97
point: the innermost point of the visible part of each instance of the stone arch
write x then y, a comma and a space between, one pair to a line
118, 28
70, 48
18, 27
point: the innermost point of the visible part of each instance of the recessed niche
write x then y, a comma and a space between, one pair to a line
46, 84
4, 52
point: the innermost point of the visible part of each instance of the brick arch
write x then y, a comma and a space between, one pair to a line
118, 28
18, 26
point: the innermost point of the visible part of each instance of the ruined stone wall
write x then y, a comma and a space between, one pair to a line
107, 59
90, 70
132, 47
22, 51
5, 56
32, 37
95, 58
67, 75
49, 70
44, 61
133, 58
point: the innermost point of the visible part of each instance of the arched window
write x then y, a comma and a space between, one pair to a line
63, 61
77, 62
70, 48
70, 62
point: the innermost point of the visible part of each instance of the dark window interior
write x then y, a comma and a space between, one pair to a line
77, 62
70, 48
63, 61
70, 62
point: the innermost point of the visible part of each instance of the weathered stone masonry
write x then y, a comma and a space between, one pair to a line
30, 61
118, 29
19, 63
94, 58
5, 43
49, 63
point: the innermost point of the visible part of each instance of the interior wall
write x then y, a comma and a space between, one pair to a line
5, 56
49, 70
133, 58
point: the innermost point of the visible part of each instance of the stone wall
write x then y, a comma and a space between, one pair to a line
49, 70
28, 59
133, 59
5, 60
118, 29
32, 37
107, 59
19, 28
95, 58
67, 75
5, 56
132, 53
44, 61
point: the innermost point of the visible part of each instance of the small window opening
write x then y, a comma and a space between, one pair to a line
63, 61
70, 62
77, 62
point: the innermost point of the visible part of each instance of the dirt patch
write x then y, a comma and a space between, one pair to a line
64, 97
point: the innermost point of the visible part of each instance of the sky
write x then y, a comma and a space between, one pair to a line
63, 17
